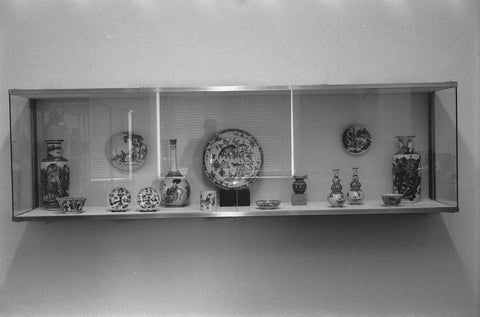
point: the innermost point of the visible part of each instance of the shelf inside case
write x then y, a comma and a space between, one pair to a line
298, 131
285, 209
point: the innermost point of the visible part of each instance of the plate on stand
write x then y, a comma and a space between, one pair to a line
232, 159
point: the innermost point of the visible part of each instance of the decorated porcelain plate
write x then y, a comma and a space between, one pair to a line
126, 149
356, 139
148, 199
119, 199
232, 159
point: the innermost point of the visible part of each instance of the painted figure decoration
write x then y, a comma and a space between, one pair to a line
232, 159
208, 200
54, 175
174, 188
356, 139
127, 151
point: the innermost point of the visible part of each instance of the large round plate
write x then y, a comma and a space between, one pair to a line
356, 139
126, 149
232, 159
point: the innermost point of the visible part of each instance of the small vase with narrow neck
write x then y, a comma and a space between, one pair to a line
406, 170
174, 188
54, 175
355, 195
336, 198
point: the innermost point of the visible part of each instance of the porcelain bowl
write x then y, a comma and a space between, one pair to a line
72, 205
268, 203
392, 199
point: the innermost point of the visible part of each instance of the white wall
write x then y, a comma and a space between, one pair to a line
338, 265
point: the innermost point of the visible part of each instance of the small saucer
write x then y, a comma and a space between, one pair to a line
268, 203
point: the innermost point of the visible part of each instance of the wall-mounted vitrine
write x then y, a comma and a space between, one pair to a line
218, 151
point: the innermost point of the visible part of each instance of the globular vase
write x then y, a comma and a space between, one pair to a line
406, 170
355, 195
336, 198
174, 188
54, 175
299, 185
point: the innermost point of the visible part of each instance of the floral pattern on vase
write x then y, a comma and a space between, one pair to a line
406, 170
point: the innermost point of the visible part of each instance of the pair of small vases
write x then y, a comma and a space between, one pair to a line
355, 195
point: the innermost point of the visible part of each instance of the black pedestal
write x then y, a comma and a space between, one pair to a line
235, 197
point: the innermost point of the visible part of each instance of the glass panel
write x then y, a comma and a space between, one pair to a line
193, 118
320, 121
445, 146
133, 139
21, 143
95, 132
90, 127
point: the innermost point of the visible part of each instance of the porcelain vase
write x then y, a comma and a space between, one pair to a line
406, 170
336, 198
355, 195
54, 175
174, 188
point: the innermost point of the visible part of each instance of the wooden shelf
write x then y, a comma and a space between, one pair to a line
286, 209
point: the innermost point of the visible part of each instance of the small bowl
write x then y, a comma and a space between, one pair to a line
71, 205
392, 199
268, 203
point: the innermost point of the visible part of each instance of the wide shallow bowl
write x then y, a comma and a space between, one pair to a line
392, 199
268, 203
72, 204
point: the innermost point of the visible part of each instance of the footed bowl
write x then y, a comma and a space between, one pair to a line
72, 204
392, 199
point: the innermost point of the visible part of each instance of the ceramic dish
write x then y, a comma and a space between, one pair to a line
356, 139
119, 199
125, 150
148, 199
268, 203
232, 159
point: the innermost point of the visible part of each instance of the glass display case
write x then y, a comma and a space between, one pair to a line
233, 151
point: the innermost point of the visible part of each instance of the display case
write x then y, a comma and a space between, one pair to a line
233, 151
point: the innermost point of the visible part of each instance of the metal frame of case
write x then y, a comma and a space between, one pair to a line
313, 208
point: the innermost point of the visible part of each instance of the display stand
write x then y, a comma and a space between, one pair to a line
235, 197
299, 199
